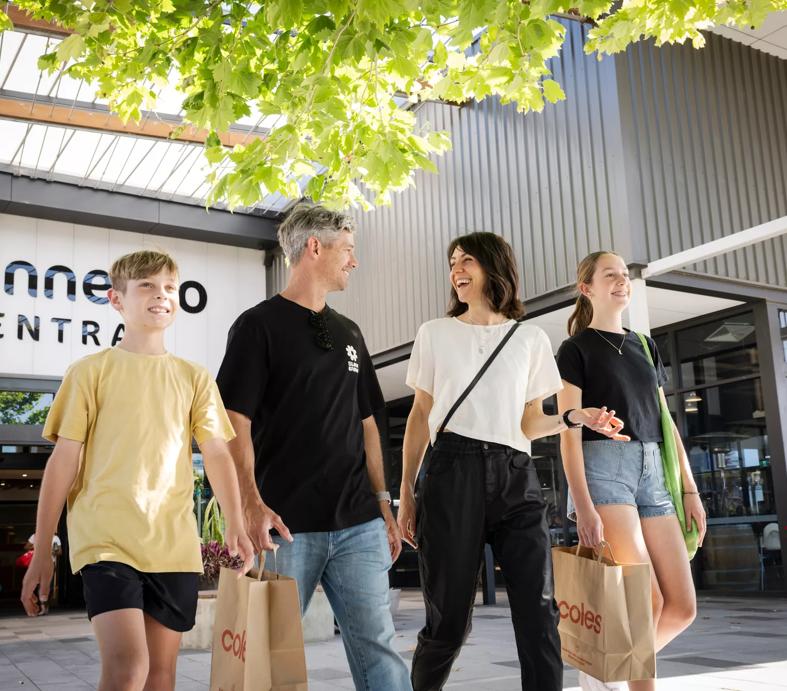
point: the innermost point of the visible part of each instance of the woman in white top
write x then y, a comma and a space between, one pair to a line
480, 483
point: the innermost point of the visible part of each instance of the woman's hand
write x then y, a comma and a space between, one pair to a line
590, 528
600, 420
405, 517
694, 510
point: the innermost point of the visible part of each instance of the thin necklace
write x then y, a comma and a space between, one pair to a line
470, 321
486, 333
618, 348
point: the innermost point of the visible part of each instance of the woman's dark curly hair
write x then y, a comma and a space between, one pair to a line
496, 258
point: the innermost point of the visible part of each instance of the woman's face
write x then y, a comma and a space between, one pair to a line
610, 288
467, 277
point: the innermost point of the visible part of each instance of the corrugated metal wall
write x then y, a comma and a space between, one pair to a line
550, 183
706, 142
652, 152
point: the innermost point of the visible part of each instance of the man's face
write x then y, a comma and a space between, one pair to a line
338, 260
148, 303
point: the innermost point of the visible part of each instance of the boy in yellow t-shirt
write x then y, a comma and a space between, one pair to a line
122, 423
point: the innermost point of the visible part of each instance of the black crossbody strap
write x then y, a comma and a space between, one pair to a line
478, 376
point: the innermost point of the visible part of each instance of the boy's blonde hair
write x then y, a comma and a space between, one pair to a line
132, 267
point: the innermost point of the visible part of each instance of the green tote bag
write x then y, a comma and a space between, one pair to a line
671, 462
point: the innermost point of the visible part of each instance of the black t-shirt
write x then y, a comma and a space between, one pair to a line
625, 383
305, 404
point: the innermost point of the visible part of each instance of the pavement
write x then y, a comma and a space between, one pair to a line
736, 644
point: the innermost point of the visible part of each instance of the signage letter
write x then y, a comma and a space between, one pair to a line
71, 281
90, 288
33, 329
89, 330
61, 322
32, 277
202, 297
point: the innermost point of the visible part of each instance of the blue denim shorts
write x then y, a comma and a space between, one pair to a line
625, 473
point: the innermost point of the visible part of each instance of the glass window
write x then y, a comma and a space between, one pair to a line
742, 556
718, 350
727, 445
663, 345
24, 407
783, 331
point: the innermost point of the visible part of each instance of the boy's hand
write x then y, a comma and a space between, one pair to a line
39, 575
239, 544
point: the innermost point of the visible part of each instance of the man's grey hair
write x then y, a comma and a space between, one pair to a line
308, 220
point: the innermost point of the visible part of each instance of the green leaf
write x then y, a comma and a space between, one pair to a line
48, 62
553, 92
70, 47
5, 22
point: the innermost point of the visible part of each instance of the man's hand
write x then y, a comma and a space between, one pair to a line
260, 520
394, 536
39, 574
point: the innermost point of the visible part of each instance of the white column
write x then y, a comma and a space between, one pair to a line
637, 313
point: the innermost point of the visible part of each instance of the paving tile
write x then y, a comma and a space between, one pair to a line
328, 673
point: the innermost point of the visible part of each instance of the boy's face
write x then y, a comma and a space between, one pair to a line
149, 303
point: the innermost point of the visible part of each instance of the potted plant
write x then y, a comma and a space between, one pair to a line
215, 554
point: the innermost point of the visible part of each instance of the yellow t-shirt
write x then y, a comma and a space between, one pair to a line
133, 497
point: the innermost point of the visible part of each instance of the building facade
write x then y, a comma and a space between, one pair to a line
654, 152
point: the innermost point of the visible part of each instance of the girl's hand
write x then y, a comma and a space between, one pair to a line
694, 510
590, 528
602, 421
405, 517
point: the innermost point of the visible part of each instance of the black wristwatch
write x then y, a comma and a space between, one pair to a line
569, 424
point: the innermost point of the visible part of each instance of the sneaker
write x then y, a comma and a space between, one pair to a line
588, 683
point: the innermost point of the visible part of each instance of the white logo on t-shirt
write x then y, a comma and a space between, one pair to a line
352, 359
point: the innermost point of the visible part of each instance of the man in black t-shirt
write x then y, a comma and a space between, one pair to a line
300, 390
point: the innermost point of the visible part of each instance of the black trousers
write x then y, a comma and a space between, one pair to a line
472, 493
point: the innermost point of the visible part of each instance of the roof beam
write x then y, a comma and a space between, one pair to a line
25, 22
708, 250
58, 201
92, 116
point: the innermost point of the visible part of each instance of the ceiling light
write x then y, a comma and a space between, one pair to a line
730, 332
24, 474
690, 409
692, 397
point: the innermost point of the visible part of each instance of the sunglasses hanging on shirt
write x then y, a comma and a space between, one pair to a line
323, 337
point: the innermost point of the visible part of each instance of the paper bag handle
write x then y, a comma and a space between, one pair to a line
261, 559
600, 553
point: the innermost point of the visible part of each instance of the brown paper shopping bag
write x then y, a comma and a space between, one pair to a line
606, 616
257, 635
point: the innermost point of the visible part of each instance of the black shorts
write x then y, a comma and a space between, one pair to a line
170, 598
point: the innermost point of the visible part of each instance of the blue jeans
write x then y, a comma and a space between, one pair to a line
352, 565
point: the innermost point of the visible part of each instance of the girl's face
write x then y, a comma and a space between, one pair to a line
467, 277
610, 288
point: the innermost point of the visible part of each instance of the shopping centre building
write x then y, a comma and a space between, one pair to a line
672, 157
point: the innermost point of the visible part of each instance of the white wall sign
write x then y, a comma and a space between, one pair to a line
53, 304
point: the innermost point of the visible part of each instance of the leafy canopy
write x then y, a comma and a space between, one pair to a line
338, 78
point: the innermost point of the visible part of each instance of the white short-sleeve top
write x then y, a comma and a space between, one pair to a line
448, 353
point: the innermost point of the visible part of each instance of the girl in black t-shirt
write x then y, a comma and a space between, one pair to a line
617, 490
